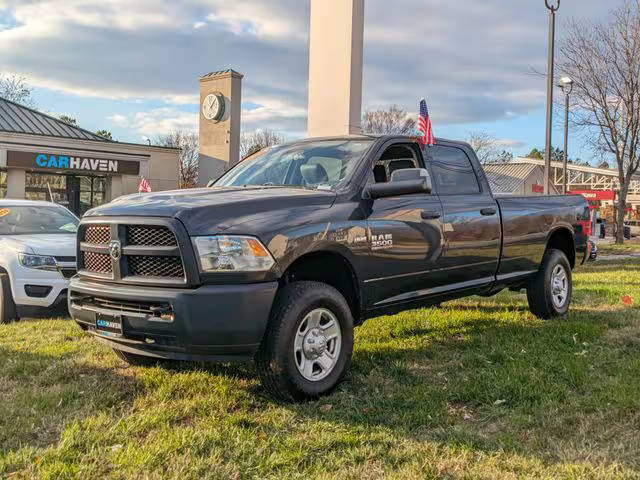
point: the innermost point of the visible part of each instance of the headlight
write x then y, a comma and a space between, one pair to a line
231, 253
37, 261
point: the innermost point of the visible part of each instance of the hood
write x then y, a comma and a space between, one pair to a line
201, 209
55, 244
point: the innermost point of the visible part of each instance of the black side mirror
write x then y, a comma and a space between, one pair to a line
407, 181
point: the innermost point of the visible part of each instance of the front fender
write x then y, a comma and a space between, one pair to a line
348, 239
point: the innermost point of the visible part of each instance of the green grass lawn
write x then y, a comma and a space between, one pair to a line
629, 246
477, 389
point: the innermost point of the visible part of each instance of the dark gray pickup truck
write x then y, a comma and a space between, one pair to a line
284, 254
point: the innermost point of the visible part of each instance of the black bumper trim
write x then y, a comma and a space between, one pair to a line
171, 355
208, 322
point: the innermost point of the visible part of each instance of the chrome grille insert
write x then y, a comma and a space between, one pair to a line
97, 262
157, 236
98, 234
151, 266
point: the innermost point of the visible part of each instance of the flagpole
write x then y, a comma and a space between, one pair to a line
553, 8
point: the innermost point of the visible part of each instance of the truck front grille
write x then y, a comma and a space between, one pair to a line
149, 266
99, 234
132, 253
97, 262
154, 235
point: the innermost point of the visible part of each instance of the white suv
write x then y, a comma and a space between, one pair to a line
37, 257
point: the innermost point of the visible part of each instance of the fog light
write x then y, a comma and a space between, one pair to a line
37, 291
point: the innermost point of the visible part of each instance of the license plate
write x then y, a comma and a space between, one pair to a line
109, 325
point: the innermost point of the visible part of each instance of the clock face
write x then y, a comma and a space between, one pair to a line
213, 106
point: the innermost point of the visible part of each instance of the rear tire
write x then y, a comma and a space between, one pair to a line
549, 292
137, 360
7, 305
308, 343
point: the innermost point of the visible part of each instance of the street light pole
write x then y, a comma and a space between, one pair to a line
566, 83
553, 8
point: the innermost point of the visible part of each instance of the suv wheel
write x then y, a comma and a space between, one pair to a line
7, 306
549, 293
308, 343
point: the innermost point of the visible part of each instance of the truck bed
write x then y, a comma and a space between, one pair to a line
527, 224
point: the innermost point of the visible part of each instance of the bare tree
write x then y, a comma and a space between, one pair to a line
504, 157
105, 134
16, 89
390, 121
486, 146
189, 146
251, 143
68, 119
603, 59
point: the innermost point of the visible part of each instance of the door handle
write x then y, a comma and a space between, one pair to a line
487, 212
430, 214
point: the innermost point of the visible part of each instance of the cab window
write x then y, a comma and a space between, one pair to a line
396, 157
452, 171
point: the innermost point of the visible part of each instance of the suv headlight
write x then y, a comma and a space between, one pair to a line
232, 253
39, 262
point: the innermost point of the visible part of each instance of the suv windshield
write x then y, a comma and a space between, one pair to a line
24, 220
317, 164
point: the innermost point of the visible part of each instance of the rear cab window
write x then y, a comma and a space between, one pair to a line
452, 170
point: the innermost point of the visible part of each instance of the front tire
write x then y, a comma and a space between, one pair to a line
7, 305
308, 343
549, 292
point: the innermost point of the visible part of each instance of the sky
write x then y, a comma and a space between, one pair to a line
132, 67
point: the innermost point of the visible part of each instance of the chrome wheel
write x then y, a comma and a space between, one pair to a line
559, 286
317, 344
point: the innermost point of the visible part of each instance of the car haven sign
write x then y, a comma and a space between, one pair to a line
72, 163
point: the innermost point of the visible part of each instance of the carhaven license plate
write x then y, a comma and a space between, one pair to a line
109, 325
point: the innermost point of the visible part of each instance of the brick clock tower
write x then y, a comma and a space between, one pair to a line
220, 110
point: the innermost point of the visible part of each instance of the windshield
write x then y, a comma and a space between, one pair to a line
24, 220
322, 165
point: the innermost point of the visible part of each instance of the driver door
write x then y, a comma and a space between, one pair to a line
406, 236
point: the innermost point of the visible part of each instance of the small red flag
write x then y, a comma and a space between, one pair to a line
144, 186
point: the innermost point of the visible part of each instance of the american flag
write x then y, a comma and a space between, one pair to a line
424, 125
144, 186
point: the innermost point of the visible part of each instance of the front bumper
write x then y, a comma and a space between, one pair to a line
21, 277
208, 323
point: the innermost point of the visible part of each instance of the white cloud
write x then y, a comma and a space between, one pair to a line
470, 59
157, 121
510, 143
118, 119
272, 19
274, 114
52, 15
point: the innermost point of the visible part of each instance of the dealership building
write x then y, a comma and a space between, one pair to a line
44, 158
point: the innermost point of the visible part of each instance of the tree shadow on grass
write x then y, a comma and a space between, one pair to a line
546, 391
481, 307
243, 370
39, 394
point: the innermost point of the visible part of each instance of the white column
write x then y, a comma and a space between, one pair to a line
335, 67
16, 180
114, 187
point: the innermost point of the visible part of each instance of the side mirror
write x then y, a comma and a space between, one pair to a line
403, 182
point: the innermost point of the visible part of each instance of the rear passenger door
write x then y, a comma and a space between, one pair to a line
471, 220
